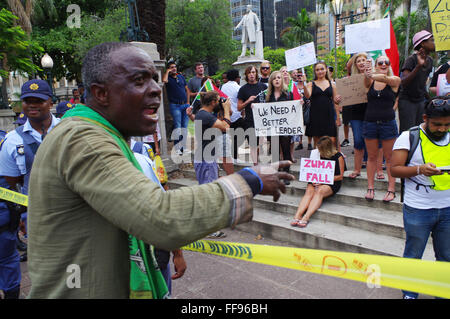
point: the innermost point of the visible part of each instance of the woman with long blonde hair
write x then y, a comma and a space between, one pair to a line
358, 112
276, 92
315, 193
379, 121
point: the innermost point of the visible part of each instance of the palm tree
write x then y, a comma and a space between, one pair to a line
297, 33
23, 13
152, 18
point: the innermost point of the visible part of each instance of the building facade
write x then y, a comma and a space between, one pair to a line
274, 14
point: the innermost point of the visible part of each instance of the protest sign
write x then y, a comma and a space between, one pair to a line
352, 90
300, 57
278, 118
440, 23
367, 36
317, 171
443, 87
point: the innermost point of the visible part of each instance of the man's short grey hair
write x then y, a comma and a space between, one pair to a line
97, 64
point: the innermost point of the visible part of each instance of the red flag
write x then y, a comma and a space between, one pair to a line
392, 53
296, 94
220, 92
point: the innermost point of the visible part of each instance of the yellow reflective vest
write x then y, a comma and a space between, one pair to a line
438, 155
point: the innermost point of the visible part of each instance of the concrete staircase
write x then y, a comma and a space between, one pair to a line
345, 222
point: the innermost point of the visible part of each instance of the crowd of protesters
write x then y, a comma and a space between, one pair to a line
416, 150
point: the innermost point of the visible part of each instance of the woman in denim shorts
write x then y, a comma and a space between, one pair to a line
379, 121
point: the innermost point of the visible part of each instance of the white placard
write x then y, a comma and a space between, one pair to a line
301, 56
278, 118
317, 171
367, 36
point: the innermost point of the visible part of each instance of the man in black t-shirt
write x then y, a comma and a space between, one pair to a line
251, 92
265, 72
414, 74
205, 165
205, 153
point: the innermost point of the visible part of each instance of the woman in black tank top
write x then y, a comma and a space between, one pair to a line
379, 121
322, 94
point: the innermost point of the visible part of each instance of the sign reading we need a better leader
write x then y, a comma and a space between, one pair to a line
317, 171
278, 118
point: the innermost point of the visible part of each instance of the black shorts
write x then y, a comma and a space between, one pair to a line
346, 115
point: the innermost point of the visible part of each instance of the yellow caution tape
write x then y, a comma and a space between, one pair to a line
422, 276
14, 197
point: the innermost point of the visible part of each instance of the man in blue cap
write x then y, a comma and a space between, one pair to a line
16, 158
62, 108
21, 120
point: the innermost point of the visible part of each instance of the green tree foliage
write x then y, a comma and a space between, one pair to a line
101, 20
418, 21
342, 59
199, 31
297, 33
15, 47
275, 57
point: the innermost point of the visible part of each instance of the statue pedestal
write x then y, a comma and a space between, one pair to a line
152, 51
245, 61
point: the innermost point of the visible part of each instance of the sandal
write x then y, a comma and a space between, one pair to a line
354, 175
380, 176
295, 222
302, 223
368, 198
387, 194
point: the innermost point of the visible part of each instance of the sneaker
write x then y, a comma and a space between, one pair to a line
21, 246
310, 147
217, 234
299, 147
345, 143
24, 257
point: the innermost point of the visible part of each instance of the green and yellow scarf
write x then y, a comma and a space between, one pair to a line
146, 280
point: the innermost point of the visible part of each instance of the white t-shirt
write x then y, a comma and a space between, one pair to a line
231, 89
423, 198
443, 87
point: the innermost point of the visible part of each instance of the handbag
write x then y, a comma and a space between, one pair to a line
306, 111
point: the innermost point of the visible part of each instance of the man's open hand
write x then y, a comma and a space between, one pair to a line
273, 179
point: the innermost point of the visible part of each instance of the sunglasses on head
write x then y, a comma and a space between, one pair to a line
380, 63
440, 102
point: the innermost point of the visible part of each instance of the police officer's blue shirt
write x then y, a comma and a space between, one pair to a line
11, 162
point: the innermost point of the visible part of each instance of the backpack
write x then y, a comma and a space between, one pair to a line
414, 138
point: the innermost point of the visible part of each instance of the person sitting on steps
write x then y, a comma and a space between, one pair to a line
315, 192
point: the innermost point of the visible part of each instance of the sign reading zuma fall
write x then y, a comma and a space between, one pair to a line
317, 171
440, 22
278, 118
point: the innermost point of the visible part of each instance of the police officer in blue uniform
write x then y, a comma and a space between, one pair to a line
62, 108
17, 153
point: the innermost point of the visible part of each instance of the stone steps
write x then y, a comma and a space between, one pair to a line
349, 194
322, 234
344, 222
